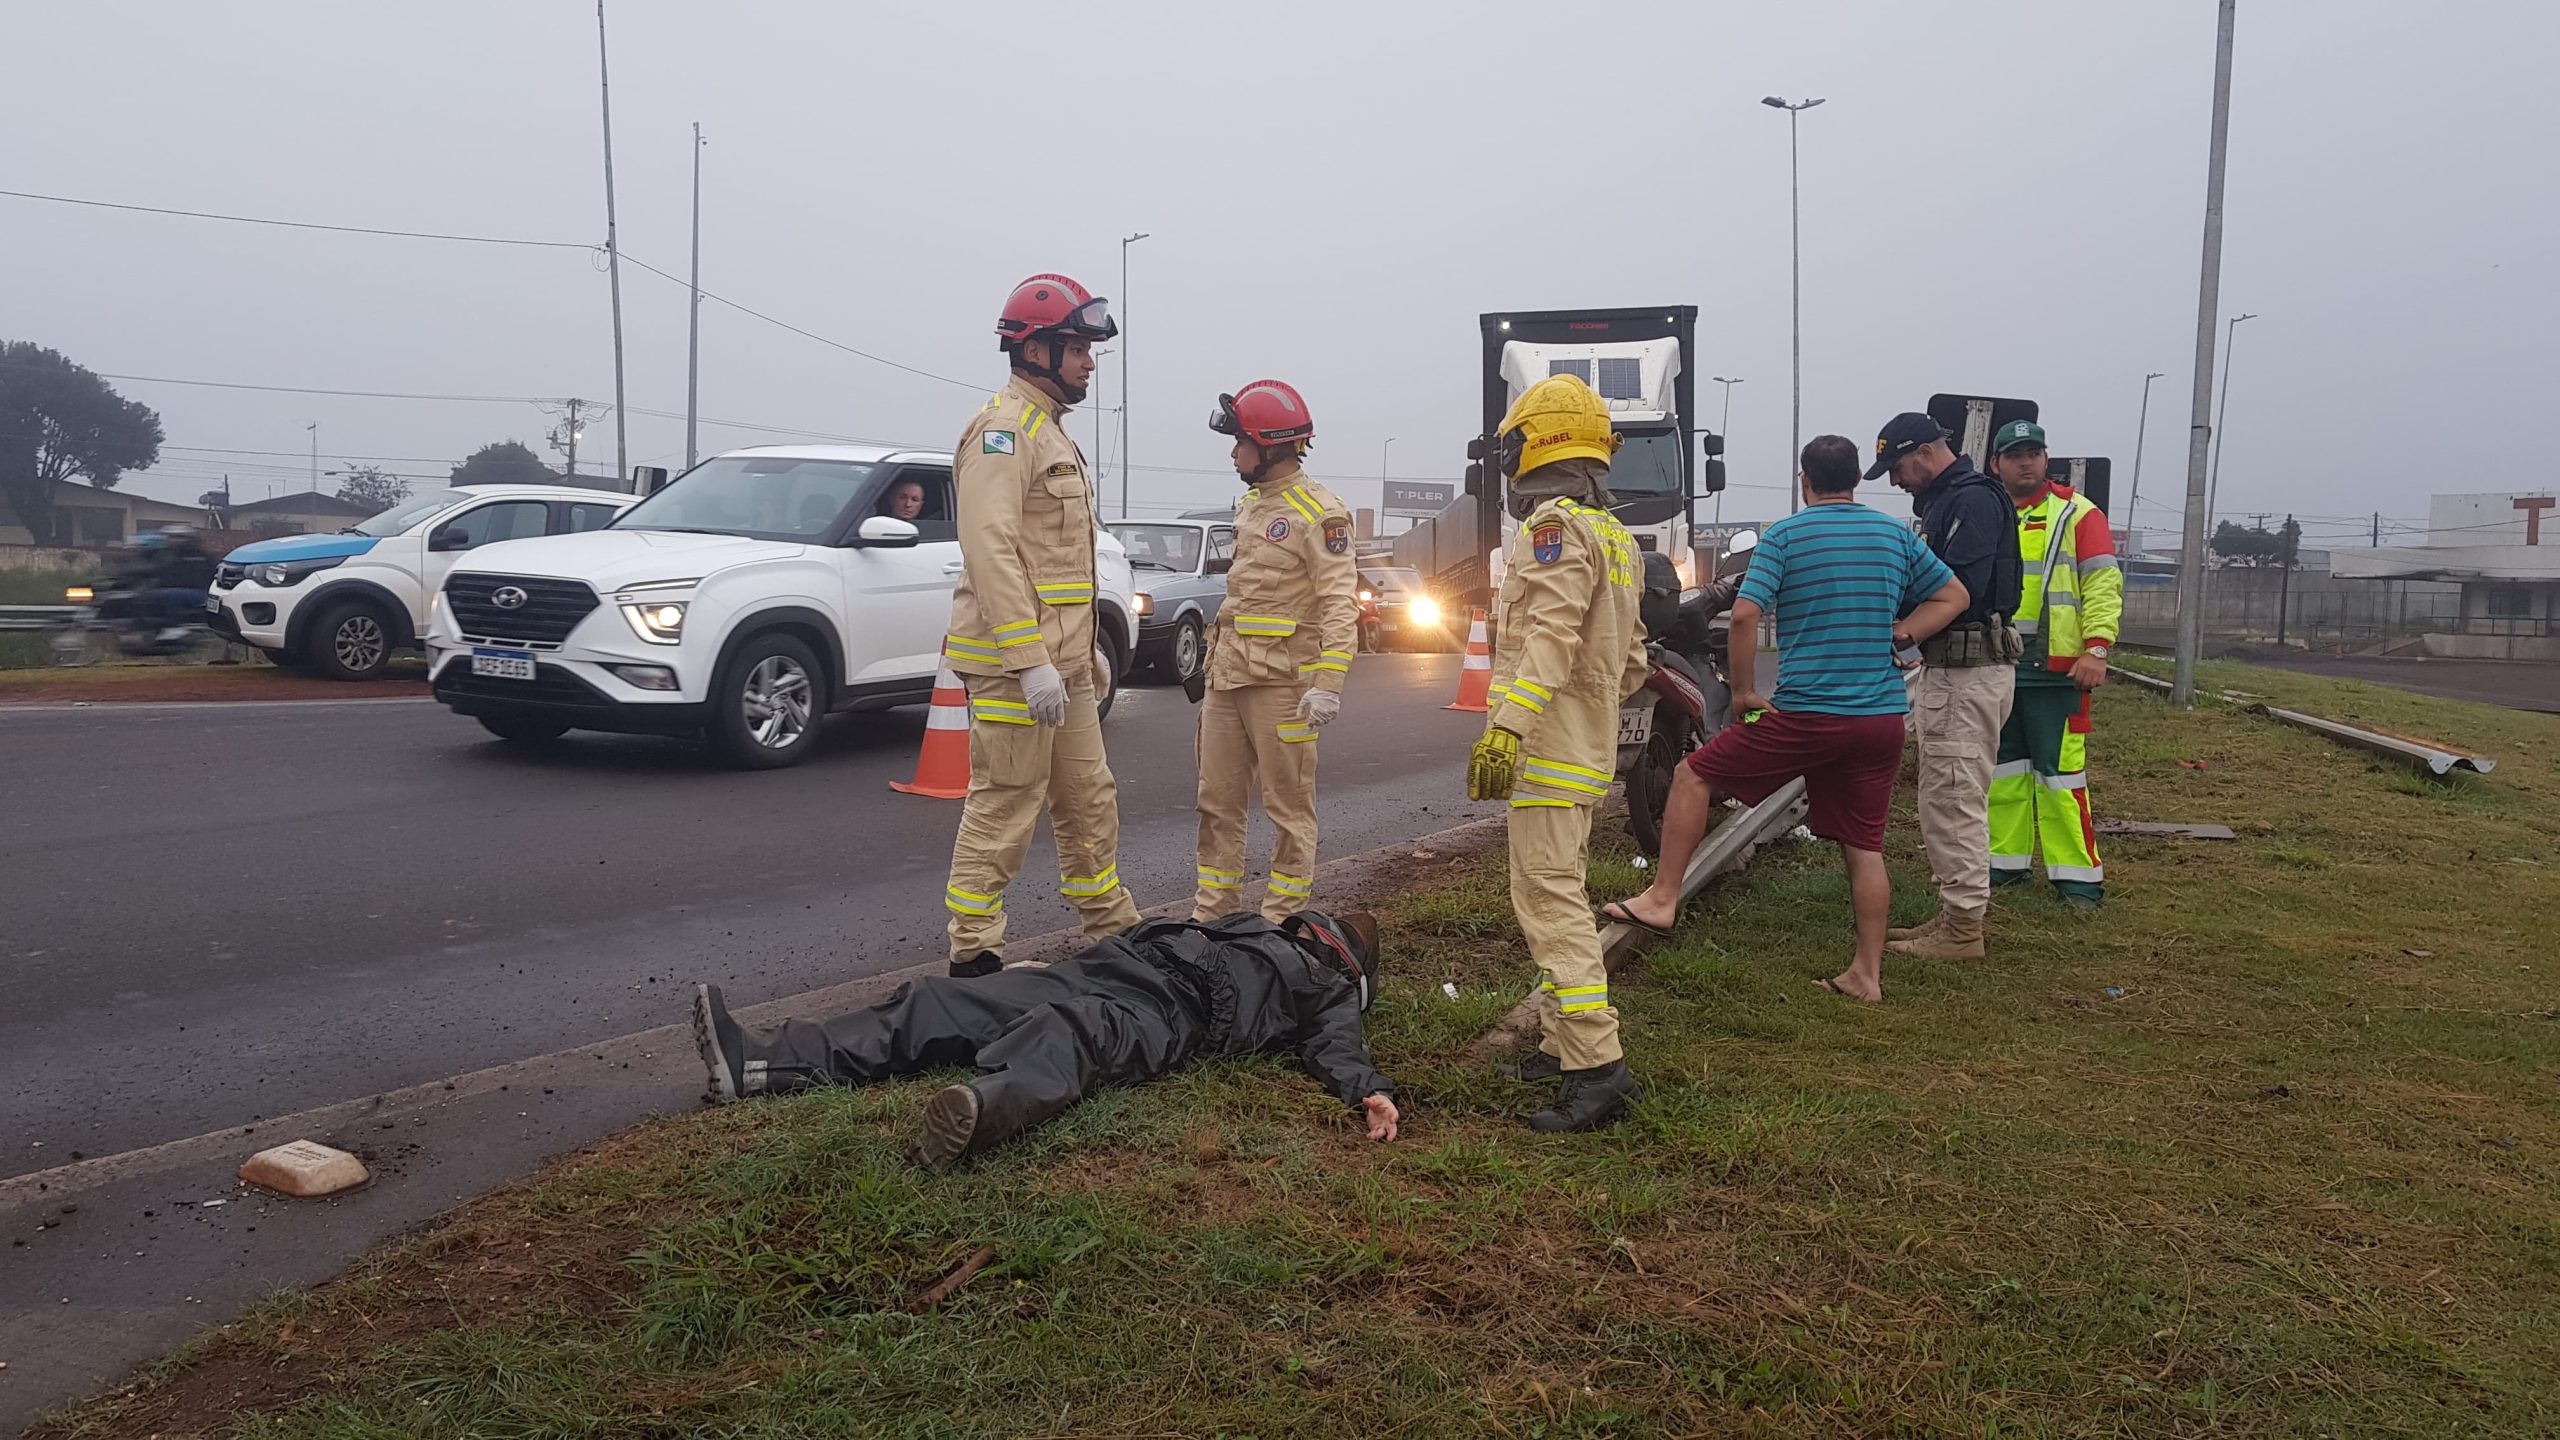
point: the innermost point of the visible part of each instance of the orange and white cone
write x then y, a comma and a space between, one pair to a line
942, 766
1475, 678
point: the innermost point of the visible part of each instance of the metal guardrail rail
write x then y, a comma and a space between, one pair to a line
36, 617
2416, 754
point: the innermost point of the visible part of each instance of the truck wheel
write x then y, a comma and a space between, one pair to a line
1107, 665
352, 641
1184, 655
526, 728
766, 706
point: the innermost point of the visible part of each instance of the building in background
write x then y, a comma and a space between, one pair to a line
2503, 550
88, 518
309, 513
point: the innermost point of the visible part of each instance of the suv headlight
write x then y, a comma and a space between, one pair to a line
660, 622
281, 574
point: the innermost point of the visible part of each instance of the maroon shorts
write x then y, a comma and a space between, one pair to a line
1848, 763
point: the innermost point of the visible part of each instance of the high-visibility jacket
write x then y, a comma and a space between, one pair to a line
1292, 612
1570, 649
2072, 594
1027, 529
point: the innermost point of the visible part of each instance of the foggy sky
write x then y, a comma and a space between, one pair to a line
1999, 198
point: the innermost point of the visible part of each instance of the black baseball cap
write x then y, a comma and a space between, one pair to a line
1900, 436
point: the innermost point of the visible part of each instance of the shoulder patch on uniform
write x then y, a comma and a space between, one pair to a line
1063, 467
1337, 536
1279, 530
1547, 543
996, 442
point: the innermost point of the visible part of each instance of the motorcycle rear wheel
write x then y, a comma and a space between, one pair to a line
1675, 734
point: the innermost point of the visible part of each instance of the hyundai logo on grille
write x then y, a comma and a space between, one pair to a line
509, 597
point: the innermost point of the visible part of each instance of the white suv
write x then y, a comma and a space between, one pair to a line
760, 591
339, 605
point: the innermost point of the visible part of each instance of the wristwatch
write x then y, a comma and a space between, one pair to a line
2098, 651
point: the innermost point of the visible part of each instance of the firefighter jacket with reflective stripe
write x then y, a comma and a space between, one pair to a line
1026, 523
2072, 594
1569, 648
1292, 609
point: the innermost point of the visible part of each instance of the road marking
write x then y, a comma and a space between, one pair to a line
118, 707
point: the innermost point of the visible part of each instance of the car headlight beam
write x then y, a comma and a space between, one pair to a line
1423, 611
660, 622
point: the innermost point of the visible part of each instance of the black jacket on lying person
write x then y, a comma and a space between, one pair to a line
1141, 1004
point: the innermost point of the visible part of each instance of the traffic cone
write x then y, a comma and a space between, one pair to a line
942, 766
1475, 678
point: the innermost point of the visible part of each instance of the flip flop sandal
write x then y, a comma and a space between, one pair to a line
1615, 913
1833, 986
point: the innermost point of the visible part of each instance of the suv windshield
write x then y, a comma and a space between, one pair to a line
1160, 547
407, 513
765, 497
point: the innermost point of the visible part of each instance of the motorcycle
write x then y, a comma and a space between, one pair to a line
1687, 695
111, 621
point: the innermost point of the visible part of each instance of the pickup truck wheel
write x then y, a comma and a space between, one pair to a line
351, 641
527, 728
766, 707
1107, 665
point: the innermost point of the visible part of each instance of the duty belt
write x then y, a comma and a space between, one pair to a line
1968, 647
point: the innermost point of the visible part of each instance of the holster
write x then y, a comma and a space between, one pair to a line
1968, 647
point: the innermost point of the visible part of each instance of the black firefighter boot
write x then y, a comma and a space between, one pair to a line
1592, 1099
1539, 1066
978, 966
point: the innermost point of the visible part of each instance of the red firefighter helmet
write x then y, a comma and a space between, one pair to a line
1054, 305
1267, 412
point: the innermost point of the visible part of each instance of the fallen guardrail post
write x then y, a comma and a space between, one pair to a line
2416, 754
1728, 847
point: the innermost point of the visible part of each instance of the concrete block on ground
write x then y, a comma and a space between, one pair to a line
304, 1168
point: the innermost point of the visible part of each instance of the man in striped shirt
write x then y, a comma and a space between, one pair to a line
1849, 586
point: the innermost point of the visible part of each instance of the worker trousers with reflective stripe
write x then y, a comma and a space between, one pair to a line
1550, 892
1017, 768
2040, 793
1251, 737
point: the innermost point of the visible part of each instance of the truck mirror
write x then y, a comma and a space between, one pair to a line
1475, 448
648, 480
1710, 443
1711, 478
1475, 473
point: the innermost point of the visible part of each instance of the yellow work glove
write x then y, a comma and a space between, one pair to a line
1494, 765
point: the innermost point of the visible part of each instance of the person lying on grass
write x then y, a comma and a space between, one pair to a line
1141, 1004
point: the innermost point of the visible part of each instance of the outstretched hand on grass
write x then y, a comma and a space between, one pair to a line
1382, 1117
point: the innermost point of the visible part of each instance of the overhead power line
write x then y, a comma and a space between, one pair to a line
806, 334
306, 224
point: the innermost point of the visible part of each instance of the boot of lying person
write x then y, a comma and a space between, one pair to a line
1141, 1004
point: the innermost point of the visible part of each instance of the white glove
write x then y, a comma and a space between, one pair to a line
1318, 707
1046, 693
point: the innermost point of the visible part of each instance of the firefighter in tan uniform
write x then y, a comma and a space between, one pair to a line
1570, 648
1022, 636
1278, 656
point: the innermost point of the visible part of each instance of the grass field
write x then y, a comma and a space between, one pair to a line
2270, 1147
31, 587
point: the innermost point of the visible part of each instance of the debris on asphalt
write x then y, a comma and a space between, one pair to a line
303, 1168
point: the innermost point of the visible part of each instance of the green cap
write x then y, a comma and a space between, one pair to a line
2017, 433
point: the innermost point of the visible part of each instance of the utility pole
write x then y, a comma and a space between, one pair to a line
2377, 529
2182, 689
1724, 428
2213, 487
613, 261
2284, 586
564, 436
1795, 278
1125, 243
1382, 483
693, 328
2141, 429
314, 428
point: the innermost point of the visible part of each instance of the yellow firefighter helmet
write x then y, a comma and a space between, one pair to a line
1558, 418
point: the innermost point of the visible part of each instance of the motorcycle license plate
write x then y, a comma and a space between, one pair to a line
502, 664
1635, 725
213, 604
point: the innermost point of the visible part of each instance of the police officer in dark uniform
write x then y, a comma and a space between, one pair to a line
1967, 679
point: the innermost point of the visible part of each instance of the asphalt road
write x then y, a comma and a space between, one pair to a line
462, 958
2515, 684
219, 913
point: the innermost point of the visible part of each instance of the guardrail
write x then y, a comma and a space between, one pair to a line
36, 617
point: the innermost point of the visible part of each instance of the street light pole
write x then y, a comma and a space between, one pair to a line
613, 259
314, 428
1125, 243
2182, 688
2213, 490
1795, 274
1099, 410
1382, 484
2141, 428
1724, 428
693, 331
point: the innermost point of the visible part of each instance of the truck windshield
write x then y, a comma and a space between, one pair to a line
767, 497
1160, 547
1647, 465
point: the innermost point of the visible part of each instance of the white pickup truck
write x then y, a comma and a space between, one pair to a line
760, 591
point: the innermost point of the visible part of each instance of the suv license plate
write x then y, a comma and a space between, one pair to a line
518, 665
1635, 725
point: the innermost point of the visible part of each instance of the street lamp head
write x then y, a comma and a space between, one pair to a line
1809, 104
2156, 374
1134, 239
1721, 380
1774, 101
2236, 319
